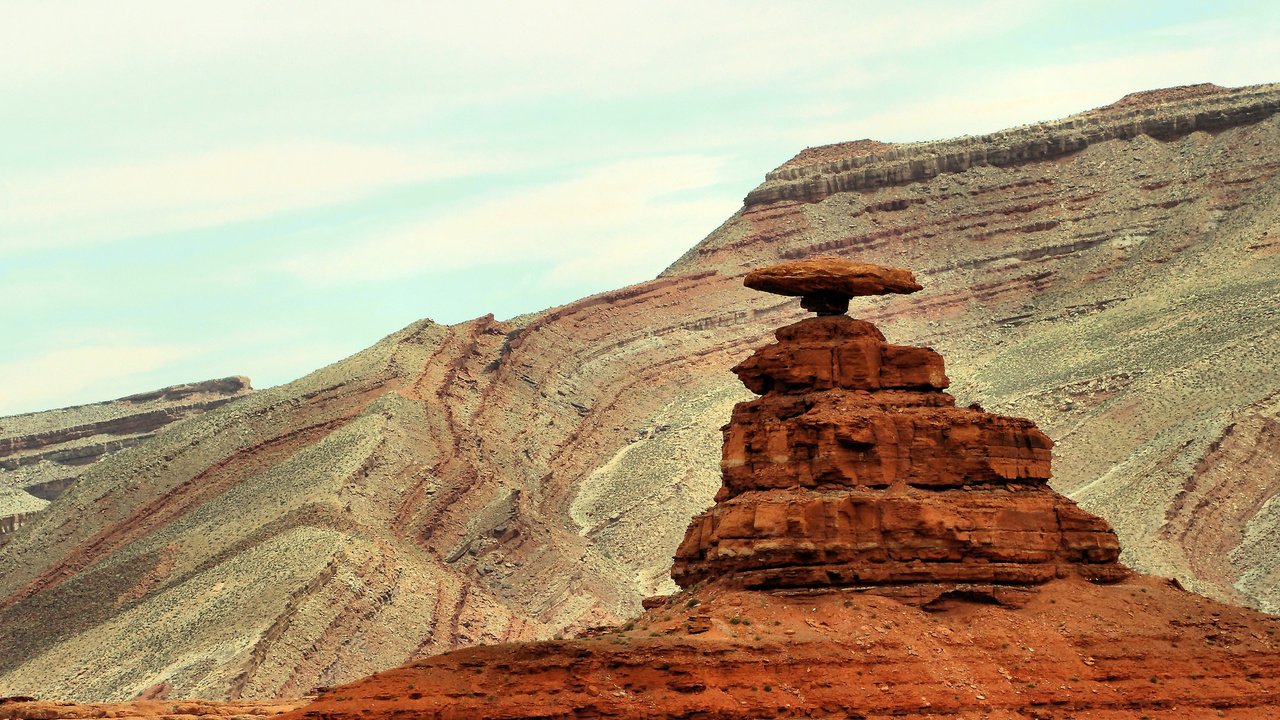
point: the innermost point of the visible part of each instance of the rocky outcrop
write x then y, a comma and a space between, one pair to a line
1163, 115
9, 523
854, 468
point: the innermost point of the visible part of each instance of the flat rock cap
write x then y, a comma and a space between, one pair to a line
831, 276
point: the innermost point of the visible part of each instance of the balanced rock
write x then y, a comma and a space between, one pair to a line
826, 284
855, 469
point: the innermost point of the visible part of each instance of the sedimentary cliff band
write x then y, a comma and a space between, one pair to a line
1144, 114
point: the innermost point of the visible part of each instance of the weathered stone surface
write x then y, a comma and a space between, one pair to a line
839, 352
1137, 649
808, 539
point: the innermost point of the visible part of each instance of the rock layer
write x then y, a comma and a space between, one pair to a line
1163, 116
44, 453
1137, 649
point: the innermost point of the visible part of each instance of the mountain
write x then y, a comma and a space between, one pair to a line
875, 551
1110, 276
44, 453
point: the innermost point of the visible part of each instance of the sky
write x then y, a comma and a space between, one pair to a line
195, 190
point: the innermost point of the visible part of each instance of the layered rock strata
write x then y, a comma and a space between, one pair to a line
823, 172
855, 468
44, 453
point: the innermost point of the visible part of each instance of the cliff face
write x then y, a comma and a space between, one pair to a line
42, 454
509, 480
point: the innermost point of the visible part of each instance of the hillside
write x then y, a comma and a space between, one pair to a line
495, 481
44, 453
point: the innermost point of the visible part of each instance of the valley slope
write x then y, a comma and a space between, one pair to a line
1111, 276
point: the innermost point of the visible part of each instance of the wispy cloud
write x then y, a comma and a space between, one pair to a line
1052, 90
307, 138
89, 204
552, 47
606, 217
81, 374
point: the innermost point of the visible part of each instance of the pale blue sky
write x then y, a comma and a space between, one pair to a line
197, 190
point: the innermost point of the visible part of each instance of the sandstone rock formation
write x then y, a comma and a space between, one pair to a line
866, 489
504, 480
44, 453
854, 468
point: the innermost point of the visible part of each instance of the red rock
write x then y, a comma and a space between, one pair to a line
831, 275
1136, 649
827, 283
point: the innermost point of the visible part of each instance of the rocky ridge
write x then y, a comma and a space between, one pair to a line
42, 454
1159, 115
503, 480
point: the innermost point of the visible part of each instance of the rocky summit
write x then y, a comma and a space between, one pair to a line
826, 284
874, 552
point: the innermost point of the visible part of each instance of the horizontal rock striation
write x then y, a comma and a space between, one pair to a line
182, 401
1163, 117
1139, 649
